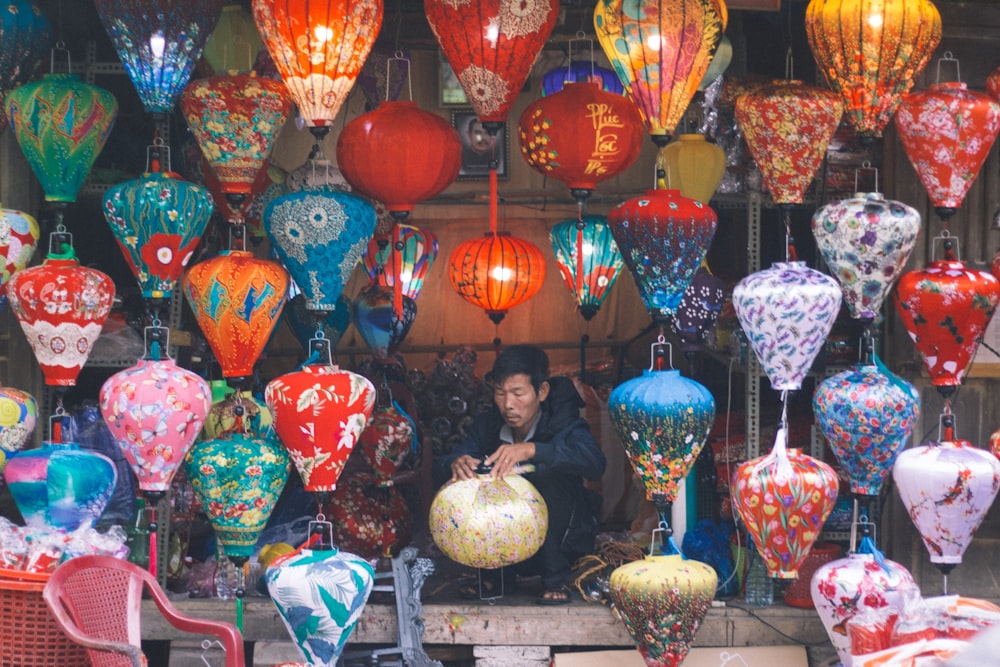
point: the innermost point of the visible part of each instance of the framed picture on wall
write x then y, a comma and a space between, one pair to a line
451, 92
478, 146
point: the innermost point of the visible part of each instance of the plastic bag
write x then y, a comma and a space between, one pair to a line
87, 429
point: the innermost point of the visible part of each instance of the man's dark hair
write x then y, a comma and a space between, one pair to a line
530, 360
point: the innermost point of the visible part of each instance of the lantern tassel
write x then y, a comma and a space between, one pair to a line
579, 251
397, 269
494, 197
153, 528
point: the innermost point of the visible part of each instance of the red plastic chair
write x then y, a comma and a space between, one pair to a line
96, 600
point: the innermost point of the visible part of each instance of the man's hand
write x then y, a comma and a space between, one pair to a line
464, 467
506, 457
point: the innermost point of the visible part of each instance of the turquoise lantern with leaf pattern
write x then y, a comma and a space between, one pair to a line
589, 260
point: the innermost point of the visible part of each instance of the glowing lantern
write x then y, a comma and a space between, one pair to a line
870, 52
18, 414
591, 279
496, 272
403, 260
25, 34
319, 48
491, 45
235, 42
158, 221
788, 126
236, 299
693, 165
380, 324
18, 237
159, 42
663, 237
661, 52
61, 124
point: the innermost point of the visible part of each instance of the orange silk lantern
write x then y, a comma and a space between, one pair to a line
496, 272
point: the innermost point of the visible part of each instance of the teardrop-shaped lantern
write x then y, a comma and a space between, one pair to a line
947, 132
496, 272
159, 42
788, 126
237, 300
18, 238
304, 324
865, 241
318, 47
18, 414
158, 221
946, 308
488, 522
589, 260
319, 236
870, 52
319, 413
663, 419
238, 480
25, 36
61, 307
661, 51
663, 600
663, 237
787, 312
406, 256
155, 411
581, 135
235, 42
399, 154
699, 309
378, 323
368, 520
947, 487
491, 45
866, 417
580, 72
235, 117
693, 165
61, 125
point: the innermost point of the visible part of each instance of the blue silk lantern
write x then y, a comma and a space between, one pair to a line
376, 319
159, 42
158, 221
554, 80
305, 325
588, 258
319, 236
25, 34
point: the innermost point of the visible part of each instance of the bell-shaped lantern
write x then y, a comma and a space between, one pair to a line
491, 45
693, 165
61, 307
380, 324
319, 236
318, 47
159, 42
870, 52
699, 309
235, 42
787, 312
865, 241
589, 260
237, 300
61, 125
19, 234
661, 51
581, 135
788, 126
18, 414
496, 272
663, 237
25, 35
399, 155
158, 221
947, 132
404, 258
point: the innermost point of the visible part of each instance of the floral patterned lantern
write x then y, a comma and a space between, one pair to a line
381, 326
496, 272
865, 241
693, 165
788, 126
663, 237
235, 42
61, 307
387, 441
699, 309
158, 221
25, 35
237, 300
19, 234
589, 260
159, 42
18, 414
369, 520
787, 312
870, 52
661, 51
61, 125
947, 487
491, 45
947, 132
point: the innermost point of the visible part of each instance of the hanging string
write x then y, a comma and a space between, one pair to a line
494, 187
240, 593
580, 224
790, 254
396, 260
153, 530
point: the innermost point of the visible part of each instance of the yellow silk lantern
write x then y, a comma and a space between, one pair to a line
692, 165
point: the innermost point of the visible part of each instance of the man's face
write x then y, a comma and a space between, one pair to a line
479, 138
518, 401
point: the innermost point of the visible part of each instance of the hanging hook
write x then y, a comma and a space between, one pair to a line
206, 646
158, 156
397, 57
658, 350
948, 57
60, 46
950, 245
865, 166
320, 345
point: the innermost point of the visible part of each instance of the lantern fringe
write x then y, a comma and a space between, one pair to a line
610, 556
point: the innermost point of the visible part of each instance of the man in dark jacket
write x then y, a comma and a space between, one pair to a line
536, 420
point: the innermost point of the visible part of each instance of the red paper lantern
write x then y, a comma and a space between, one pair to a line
581, 135
399, 155
496, 272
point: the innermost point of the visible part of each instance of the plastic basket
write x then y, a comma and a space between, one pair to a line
29, 635
798, 593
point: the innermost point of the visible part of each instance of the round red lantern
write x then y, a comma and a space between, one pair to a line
399, 155
496, 272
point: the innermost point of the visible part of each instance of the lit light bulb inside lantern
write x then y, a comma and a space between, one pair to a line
405, 277
501, 273
157, 44
654, 42
874, 20
588, 249
323, 34
492, 33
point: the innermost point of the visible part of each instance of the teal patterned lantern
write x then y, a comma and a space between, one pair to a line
589, 260
158, 221
61, 124
25, 34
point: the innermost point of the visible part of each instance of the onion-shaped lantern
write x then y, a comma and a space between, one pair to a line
496, 272
25, 35
18, 414
663, 237
787, 312
235, 42
159, 42
870, 52
693, 165
589, 260
402, 259
158, 221
380, 324
865, 241
19, 234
